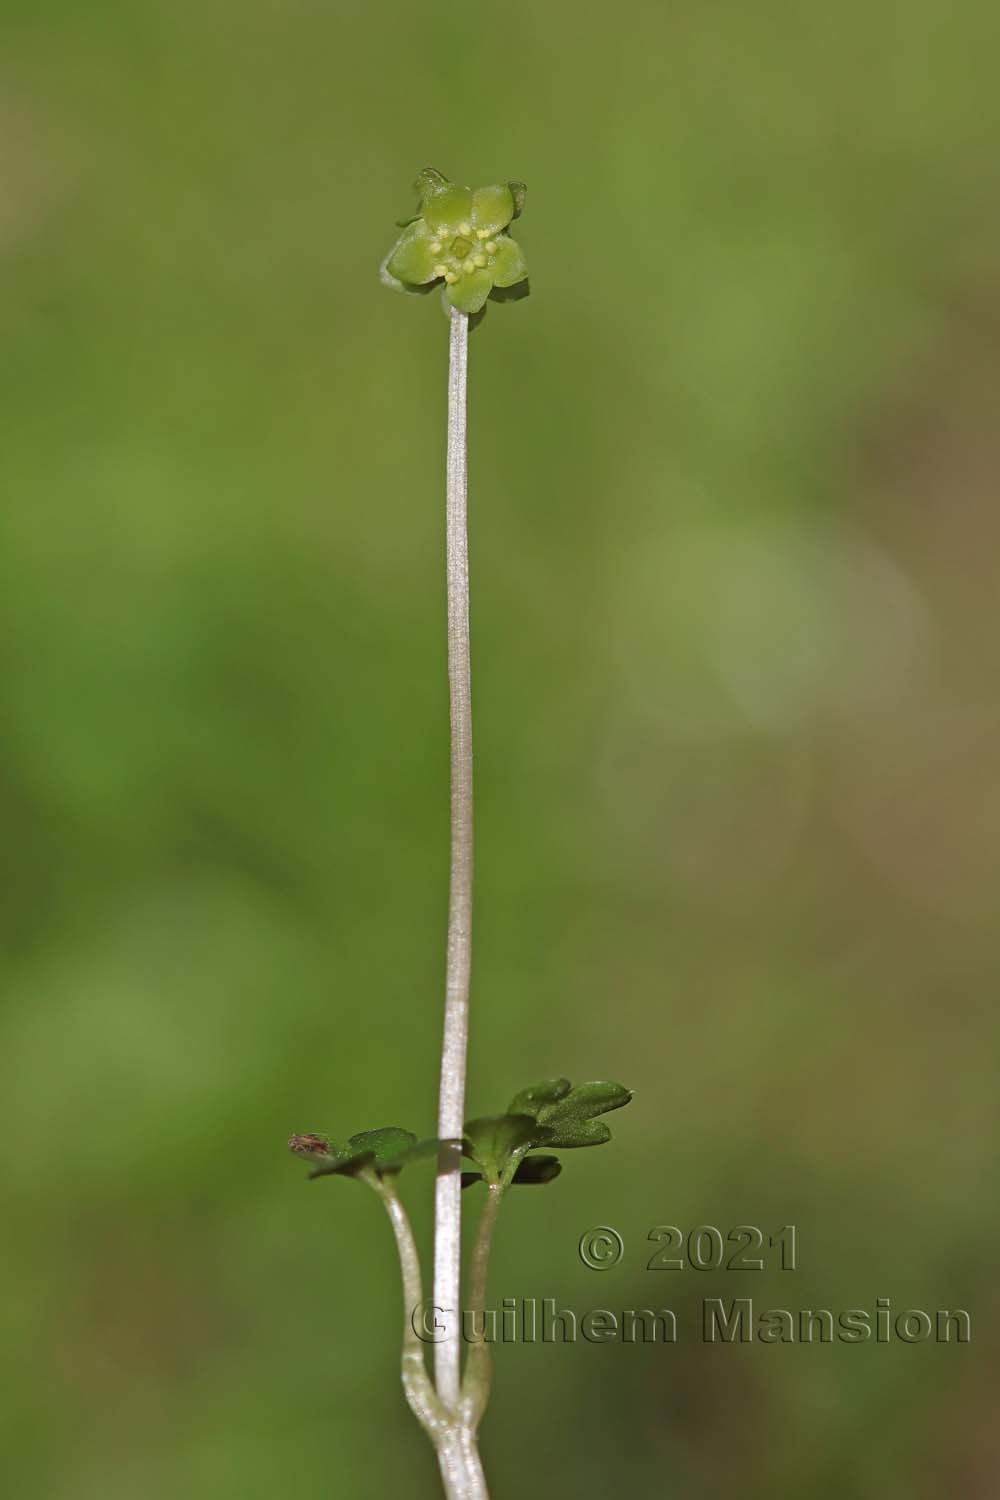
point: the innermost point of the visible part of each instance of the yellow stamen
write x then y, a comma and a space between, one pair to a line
469, 265
465, 228
480, 260
450, 277
492, 247
440, 270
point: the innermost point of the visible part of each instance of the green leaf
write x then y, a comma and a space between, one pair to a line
530, 1100
537, 1170
568, 1112
385, 1145
553, 1114
531, 1170
385, 1151
491, 1141
586, 1133
421, 1151
343, 1163
588, 1099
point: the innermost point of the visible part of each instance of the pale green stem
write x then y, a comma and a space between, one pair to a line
417, 1384
455, 1044
461, 1468
476, 1381
453, 1437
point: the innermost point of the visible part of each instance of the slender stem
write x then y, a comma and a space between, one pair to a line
454, 1050
458, 1455
417, 1384
476, 1381
461, 1469
453, 1437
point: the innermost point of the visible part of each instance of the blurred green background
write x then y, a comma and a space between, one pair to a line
734, 550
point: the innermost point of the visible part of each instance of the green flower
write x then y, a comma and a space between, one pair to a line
459, 237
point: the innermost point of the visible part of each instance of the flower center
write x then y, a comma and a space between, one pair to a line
463, 252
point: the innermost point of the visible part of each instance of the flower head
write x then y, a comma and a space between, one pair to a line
459, 237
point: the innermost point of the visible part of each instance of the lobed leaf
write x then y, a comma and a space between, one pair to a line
530, 1100
537, 1170
493, 1140
385, 1151
531, 1170
567, 1112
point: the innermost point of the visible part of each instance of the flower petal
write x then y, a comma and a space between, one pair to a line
448, 207
470, 292
509, 265
411, 258
492, 207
